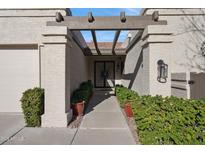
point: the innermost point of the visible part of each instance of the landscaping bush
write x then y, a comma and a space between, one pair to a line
125, 95
83, 93
168, 120
32, 103
80, 95
87, 86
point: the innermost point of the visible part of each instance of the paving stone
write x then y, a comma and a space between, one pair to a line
10, 124
43, 136
104, 137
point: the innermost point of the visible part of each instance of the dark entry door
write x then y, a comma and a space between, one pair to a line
104, 74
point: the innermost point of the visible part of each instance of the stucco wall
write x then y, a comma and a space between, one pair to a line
179, 85
21, 34
159, 51
136, 69
78, 66
188, 34
24, 26
181, 50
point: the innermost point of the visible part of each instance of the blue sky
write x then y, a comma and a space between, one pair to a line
104, 36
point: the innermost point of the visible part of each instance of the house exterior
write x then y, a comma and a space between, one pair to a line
33, 54
179, 44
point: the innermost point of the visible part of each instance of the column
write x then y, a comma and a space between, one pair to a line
55, 77
157, 39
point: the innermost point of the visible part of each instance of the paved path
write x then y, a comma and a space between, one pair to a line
103, 123
10, 124
13, 131
43, 136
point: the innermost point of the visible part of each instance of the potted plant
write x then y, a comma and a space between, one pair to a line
88, 87
128, 109
77, 103
81, 97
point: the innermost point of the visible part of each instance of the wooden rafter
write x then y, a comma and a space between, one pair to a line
117, 34
95, 41
108, 23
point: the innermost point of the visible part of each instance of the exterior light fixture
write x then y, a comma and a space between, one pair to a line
59, 17
162, 71
129, 36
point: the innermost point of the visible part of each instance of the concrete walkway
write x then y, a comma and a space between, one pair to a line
43, 136
14, 132
103, 123
10, 124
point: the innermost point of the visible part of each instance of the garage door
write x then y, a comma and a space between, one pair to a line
19, 70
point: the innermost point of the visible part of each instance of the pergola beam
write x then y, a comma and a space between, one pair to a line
95, 41
117, 34
108, 23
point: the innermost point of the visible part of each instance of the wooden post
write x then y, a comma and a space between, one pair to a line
117, 34
90, 17
155, 16
95, 41
59, 17
122, 16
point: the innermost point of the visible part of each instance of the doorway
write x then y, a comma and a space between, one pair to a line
104, 74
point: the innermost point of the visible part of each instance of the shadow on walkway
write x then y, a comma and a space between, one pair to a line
97, 98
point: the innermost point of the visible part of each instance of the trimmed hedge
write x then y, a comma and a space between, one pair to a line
83, 93
125, 95
168, 120
32, 103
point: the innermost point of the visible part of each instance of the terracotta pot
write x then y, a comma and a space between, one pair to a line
78, 108
128, 110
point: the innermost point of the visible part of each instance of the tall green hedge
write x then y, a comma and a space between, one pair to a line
168, 120
32, 103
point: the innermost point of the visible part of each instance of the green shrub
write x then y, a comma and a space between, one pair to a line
32, 103
168, 120
87, 86
80, 95
125, 95
83, 93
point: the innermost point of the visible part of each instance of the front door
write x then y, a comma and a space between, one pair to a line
104, 74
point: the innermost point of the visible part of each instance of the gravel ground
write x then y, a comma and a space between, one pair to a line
75, 123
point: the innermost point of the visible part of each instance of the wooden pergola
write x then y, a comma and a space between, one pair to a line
116, 23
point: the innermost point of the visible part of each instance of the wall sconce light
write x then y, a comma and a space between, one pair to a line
162, 71
129, 36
